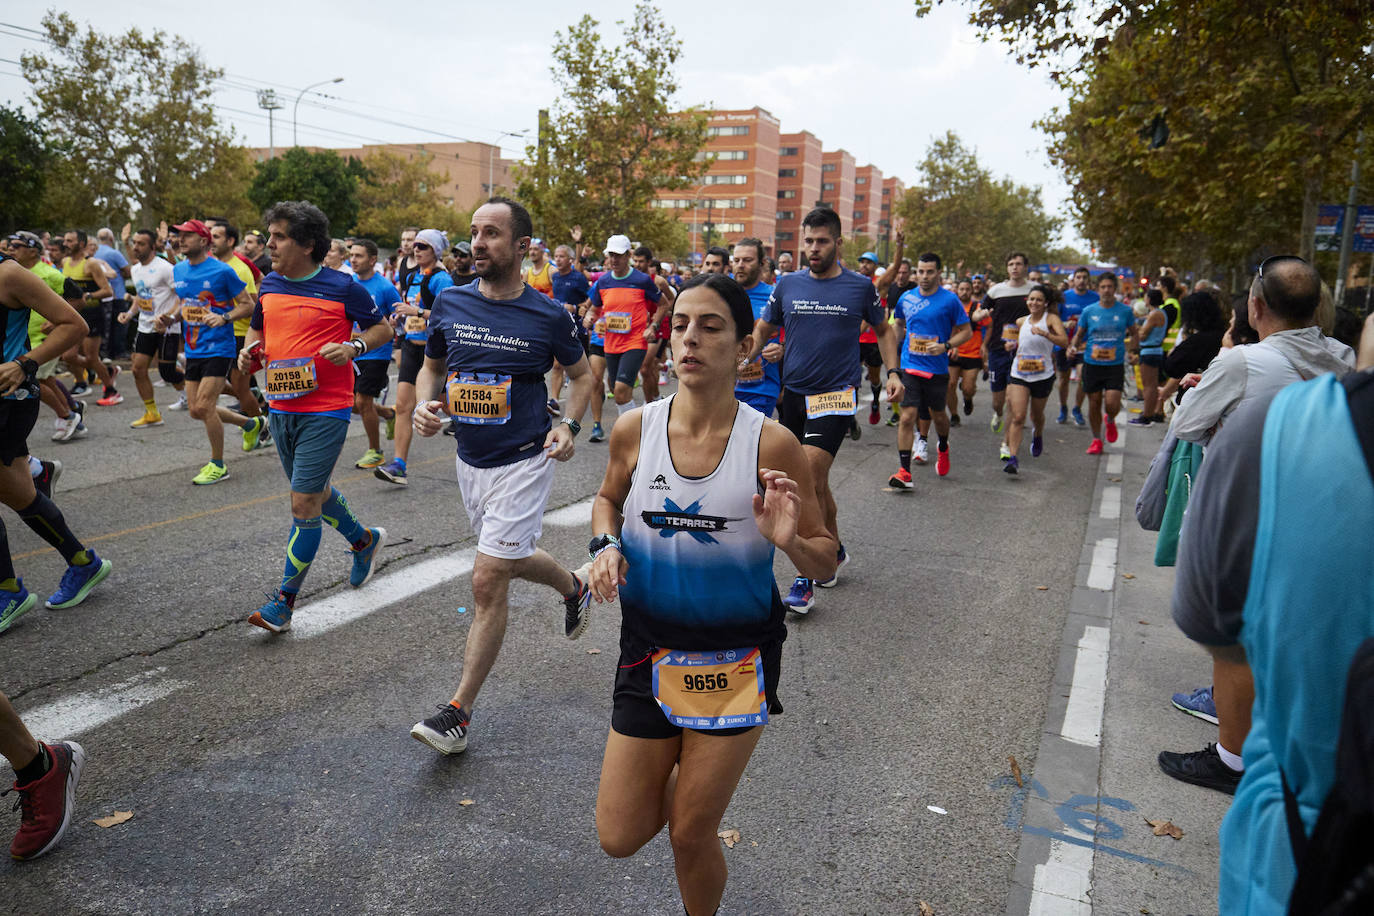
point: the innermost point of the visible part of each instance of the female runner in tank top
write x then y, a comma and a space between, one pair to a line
1032, 372
699, 490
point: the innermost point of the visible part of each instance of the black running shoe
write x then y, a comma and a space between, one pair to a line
446, 731
1202, 768
577, 610
45, 480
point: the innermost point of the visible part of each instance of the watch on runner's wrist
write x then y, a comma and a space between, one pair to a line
29, 366
601, 542
896, 372
358, 344
573, 425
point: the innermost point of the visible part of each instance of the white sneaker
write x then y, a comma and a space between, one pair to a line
67, 428
1003, 452
919, 455
180, 403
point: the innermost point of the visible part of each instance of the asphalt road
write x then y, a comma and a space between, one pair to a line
272, 775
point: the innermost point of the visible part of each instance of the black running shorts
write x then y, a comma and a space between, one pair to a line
636, 714
823, 432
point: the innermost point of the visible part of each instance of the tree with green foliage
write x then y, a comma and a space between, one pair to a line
962, 212
322, 177
1214, 126
613, 139
132, 118
24, 161
398, 191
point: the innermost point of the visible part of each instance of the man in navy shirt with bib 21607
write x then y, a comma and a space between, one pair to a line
822, 311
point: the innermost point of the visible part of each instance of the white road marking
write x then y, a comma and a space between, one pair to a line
319, 617
1111, 503
1102, 574
82, 712
1114, 463
577, 514
1062, 884
1083, 715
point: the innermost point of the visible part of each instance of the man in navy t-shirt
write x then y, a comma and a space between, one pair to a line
1076, 299
931, 323
489, 345
821, 312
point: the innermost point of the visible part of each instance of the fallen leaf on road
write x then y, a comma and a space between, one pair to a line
1042, 588
1166, 828
467, 801
1128, 576
753, 842
1146, 622
925, 909
936, 809
593, 651
1016, 771
113, 820
1114, 479
731, 837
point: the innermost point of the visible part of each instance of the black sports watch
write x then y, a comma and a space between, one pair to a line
573, 425
601, 542
29, 366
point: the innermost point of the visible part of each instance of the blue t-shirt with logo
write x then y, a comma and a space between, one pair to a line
929, 320
487, 345
116, 260
1105, 330
570, 288
385, 297
821, 319
761, 377
211, 284
1071, 309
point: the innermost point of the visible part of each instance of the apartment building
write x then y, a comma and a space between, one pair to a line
799, 185
868, 183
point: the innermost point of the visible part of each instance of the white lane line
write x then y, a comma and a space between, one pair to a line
1063, 884
319, 617
1102, 574
1111, 503
1083, 715
1114, 463
84, 711
579, 513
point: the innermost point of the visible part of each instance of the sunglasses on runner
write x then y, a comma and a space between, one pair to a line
1275, 259
421, 246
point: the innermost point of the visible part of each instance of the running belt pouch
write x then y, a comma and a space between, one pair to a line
1149, 505
1336, 863
1183, 467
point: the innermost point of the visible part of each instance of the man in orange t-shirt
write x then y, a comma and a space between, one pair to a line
967, 361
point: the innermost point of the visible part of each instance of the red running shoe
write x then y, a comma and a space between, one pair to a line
46, 803
901, 480
942, 462
1095, 448
1111, 429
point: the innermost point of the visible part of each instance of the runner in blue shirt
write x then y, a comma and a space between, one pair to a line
822, 311
570, 289
760, 380
490, 343
1101, 338
1076, 299
371, 368
930, 322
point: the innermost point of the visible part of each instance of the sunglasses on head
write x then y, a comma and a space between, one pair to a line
1269, 261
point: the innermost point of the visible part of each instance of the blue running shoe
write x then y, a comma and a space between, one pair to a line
801, 598
1078, 418
16, 605
362, 559
1037, 446
841, 559
78, 581
598, 435
1198, 703
1063, 415
1010, 465
274, 616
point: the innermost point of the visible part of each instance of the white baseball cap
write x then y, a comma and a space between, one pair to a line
618, 244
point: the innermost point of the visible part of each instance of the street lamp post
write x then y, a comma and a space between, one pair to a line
491, 160
297, 107
267, 100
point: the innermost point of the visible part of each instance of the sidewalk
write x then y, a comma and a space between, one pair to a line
1086, 847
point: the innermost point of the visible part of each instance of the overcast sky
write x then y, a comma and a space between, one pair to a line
863, 75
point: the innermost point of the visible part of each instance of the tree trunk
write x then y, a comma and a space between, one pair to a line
1311, 199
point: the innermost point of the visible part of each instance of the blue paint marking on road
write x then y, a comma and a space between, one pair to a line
1078, 814
462, 610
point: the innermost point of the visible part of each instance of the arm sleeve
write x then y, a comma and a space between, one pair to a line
873, 307
651, 291
255, 322
960, 316
1217, 540
435, 346
232, 281
567, 347
1221, 389
358, 305
594, 294
772, 311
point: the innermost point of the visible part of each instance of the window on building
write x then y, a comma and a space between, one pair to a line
886, 191
731, 203
741, 130
858, 216
828, 186
786, 214
783, 236
859, 198
786, 195
886, 207
722, 155
862, 179
725, 179
716, 227
828, 167
787, 151
787, 173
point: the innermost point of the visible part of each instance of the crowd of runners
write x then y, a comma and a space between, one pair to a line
506, 345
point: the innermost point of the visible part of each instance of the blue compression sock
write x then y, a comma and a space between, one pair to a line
340, 516
301, 548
